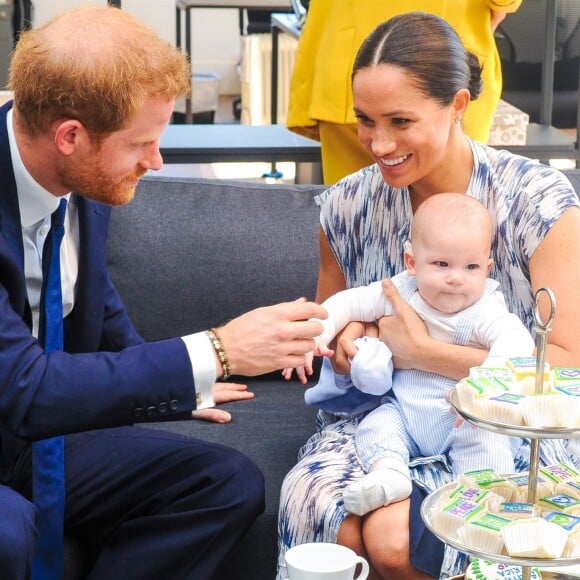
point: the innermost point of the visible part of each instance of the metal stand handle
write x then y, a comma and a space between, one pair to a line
543, 328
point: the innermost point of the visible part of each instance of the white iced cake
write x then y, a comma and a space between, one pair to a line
534, 538
507, 395
489, 513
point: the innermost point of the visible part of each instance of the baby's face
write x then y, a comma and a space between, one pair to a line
451, 268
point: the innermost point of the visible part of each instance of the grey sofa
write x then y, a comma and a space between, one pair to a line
188, 254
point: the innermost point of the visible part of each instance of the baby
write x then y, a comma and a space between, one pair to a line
446, 283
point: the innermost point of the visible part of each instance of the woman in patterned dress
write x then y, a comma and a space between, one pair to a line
412, 82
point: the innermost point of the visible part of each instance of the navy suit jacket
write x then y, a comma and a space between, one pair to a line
107, 375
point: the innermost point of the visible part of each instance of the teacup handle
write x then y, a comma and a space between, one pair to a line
365, 568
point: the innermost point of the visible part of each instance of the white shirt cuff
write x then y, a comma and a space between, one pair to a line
201, 355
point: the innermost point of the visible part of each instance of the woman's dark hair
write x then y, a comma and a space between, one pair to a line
429, 49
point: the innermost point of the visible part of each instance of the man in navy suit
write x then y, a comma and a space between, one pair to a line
93, 91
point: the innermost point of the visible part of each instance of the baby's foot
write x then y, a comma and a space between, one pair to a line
376, 489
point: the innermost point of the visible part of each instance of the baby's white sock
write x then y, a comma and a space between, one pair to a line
380, 487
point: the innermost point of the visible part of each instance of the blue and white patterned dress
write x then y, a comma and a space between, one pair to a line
366, 222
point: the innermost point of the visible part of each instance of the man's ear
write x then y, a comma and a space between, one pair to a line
409, 260
67, 135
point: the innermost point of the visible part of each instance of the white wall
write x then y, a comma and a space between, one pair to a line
214, 32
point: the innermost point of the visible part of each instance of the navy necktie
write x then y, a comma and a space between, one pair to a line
48, 454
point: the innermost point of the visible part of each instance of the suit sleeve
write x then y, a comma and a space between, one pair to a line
44, 395
85, 387
118, 330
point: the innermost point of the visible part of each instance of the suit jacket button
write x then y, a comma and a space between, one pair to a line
163, 408
151, 411
174, 404
138, 412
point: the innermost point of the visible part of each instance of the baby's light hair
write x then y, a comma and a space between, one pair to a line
448, 211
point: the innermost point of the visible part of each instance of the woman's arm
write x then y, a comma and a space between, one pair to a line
330, 281
556, 264
330, 277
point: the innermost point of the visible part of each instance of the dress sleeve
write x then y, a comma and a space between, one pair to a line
544, 197
508, 6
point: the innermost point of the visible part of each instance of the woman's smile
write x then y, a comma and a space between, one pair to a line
392, 162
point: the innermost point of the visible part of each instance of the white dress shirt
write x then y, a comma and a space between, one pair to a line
36, 206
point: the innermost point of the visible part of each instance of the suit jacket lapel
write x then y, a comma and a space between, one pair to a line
9, 210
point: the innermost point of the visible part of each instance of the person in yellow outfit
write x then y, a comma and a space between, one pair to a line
320, 104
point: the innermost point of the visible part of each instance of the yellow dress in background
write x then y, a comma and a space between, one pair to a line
321, 104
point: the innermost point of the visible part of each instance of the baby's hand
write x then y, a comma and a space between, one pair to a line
302, 372
305, 371
322, 350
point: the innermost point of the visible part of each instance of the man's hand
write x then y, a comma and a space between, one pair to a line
272, 338
223, 393
404, 332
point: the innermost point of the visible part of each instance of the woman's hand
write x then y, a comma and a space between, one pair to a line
413, 348
403, 332
223, 393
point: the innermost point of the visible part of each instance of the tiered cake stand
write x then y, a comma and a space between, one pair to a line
535, 435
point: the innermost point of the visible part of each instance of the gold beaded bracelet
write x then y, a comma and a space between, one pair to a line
218, 345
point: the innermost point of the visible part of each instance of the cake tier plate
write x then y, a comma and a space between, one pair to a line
426, 509
516, 430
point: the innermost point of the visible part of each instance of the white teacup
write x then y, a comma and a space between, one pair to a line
322, 561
